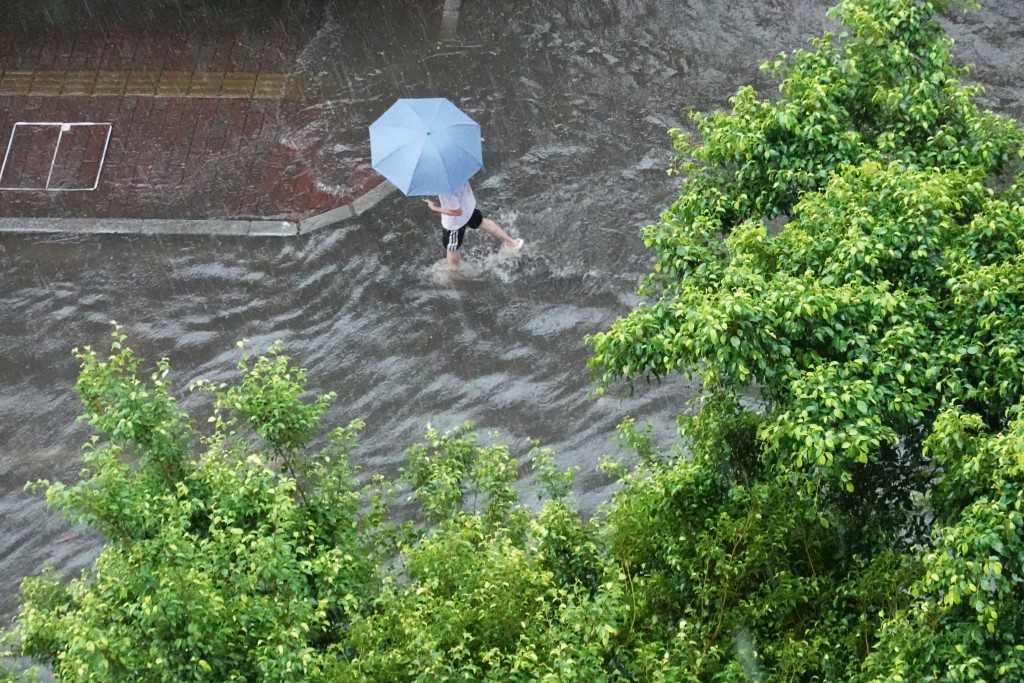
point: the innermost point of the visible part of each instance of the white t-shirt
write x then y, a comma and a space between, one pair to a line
462, 199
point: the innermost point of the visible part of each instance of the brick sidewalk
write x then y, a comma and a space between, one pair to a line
198, 124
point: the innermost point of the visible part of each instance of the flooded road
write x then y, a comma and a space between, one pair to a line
573, 98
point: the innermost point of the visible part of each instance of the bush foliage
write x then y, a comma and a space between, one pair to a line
843, 274
852, 255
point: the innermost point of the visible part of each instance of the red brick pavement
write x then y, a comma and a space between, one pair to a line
168, 156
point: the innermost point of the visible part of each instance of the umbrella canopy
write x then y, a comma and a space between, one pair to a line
425, 146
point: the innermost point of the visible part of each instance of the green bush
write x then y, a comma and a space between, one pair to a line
843, 254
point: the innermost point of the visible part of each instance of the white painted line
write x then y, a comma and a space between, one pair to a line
56, 148
64, 127
103, 157
3, 166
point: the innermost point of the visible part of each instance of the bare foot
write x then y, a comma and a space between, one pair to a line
516, 245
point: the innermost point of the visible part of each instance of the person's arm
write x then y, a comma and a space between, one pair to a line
439, 209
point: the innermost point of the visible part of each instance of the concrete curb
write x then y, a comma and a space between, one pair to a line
358, 207
146, 226
216, 227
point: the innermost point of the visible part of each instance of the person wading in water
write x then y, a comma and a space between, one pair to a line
458, 212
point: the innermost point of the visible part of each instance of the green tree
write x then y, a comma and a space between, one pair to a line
845, 256
237, 553
493, 590
213, 567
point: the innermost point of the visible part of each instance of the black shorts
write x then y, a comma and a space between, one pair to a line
451, 240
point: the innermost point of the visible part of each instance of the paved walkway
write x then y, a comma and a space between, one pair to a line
187, 123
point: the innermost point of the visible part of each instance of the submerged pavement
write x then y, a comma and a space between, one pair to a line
165, 120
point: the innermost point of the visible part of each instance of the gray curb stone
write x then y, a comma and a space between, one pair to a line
341, 214
273, 228
370, 199
328, 218
202, 227
91, 226
147, 226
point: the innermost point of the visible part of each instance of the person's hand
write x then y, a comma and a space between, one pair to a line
430, 203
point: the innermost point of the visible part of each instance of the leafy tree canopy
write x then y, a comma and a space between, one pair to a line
240, 553
851, 256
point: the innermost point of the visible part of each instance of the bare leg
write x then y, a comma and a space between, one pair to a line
495, 231
454, 258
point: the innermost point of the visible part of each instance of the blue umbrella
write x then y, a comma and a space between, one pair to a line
425, 146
